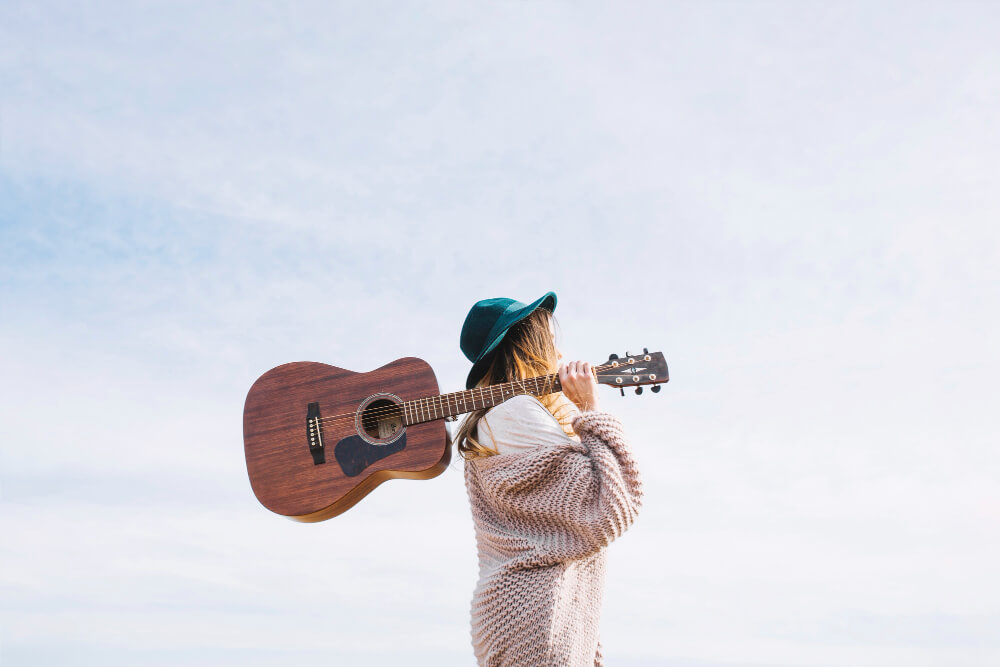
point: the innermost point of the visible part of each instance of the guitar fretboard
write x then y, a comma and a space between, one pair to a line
458, 403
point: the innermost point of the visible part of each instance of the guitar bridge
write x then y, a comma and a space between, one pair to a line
314, 431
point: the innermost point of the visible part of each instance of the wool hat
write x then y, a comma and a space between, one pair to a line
487, 323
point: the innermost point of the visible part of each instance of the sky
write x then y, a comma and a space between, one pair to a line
796, 202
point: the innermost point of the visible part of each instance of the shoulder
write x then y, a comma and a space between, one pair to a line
521, 422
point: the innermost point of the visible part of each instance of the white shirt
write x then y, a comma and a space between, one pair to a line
520, 423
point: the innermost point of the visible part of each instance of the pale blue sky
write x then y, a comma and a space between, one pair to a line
796, 202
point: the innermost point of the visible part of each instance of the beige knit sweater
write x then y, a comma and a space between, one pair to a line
543, 518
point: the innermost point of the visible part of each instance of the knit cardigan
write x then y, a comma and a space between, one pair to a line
543, 518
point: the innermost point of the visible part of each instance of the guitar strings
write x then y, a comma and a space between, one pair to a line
398, 409
435, 406
438, 402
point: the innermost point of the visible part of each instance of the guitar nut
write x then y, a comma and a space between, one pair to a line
647, 358
635, 378
652, 376
618, 380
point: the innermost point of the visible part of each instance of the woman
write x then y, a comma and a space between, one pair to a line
551, 482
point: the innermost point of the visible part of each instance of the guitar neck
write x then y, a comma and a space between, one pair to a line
432, 408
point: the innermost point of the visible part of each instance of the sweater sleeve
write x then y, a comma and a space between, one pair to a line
573, 499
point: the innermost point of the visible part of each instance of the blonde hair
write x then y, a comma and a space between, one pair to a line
526, 351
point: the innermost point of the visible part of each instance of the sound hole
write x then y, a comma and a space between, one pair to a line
382, 420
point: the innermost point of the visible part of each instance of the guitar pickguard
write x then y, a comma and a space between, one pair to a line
354, 454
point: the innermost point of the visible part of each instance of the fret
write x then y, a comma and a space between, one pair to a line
442, 406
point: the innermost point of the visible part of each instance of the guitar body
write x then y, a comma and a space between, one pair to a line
318, 438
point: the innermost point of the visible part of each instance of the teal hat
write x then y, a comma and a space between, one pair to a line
486, 325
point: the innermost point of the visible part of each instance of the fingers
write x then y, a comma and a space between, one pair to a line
575, 370
579, 384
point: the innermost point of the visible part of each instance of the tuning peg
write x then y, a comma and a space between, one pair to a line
656, 389
645, 350
622, 390
638, 390
613, 357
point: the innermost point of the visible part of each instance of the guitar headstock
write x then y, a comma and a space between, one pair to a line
634, 370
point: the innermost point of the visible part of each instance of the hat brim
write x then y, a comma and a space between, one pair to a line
509, 319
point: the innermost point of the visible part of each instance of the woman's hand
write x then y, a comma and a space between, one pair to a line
579, 384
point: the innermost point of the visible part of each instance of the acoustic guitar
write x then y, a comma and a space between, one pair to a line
318, 438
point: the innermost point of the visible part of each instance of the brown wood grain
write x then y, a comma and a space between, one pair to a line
281, 469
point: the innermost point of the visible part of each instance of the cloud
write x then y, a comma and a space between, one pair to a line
793, 203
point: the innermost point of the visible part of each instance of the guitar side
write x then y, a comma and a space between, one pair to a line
290, 479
